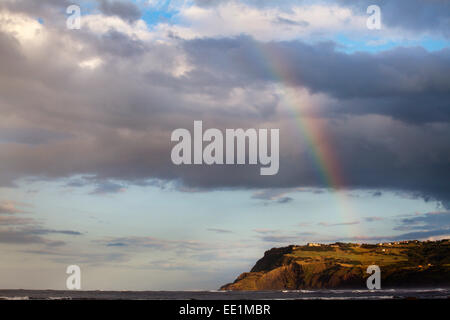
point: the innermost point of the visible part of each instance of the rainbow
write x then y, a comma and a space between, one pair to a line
315, 135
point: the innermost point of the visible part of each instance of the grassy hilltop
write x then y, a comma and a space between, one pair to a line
344, 265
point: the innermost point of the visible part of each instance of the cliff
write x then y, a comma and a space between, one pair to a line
344, 265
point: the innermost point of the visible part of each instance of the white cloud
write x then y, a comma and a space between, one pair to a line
26, 30
101, 24
91, 63
234, 18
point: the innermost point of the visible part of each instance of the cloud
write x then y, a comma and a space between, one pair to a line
413, 15
138, 242
423, 234
23, 236
380, 77
46, 9
287, 239
373, 219
304, 224
13, 220
15, 229
117, 244
18, 230
409, 15
38, 231
124, 9
108, 187
101, 187
277, 23
349, 223
67, 256
427, 221
280, 239
431, 225
274, 195
285, 200
10, 207
300, 23
428, 226
187, 248
265, 231
32, 136
171, 264
280, 236
219, 230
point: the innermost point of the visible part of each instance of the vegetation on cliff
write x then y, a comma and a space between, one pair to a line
344, 265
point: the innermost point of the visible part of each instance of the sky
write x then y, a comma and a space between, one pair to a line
86, 176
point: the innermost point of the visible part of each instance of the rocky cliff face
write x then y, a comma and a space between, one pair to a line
344, 265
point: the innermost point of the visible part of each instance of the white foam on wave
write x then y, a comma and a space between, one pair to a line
15, 298
349, 298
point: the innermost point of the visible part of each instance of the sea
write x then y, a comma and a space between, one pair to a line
381, 294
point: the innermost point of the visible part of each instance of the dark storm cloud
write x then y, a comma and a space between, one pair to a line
410, 84
126, 10
118, 44
387, 118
